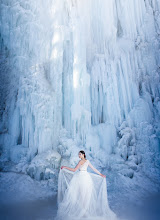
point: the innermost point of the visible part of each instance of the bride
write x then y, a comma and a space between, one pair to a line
82, 195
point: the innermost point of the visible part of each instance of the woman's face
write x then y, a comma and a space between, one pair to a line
80, 155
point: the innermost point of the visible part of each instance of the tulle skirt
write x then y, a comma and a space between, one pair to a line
82, 195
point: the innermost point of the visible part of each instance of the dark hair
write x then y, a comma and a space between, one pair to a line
82, 151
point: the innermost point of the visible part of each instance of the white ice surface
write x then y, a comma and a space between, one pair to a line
81, 74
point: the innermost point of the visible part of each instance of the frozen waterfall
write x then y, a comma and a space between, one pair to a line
81, 74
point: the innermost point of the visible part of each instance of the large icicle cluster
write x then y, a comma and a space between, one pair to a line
86, 67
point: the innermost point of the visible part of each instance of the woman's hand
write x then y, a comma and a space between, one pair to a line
62, 167
103, 175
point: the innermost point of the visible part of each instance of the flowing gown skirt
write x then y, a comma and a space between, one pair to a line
82, 195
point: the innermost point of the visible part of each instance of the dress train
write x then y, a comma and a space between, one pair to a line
83, 195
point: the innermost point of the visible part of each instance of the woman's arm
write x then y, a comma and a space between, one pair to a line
73, 169
95, 170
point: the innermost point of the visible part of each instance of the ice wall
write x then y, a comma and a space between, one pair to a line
88, 66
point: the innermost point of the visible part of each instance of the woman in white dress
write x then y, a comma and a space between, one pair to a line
82, 195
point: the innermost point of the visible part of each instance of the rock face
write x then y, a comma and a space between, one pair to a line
86, 70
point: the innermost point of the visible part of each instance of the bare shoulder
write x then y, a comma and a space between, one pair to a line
80, 162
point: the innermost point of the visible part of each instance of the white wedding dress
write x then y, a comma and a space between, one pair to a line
82, 195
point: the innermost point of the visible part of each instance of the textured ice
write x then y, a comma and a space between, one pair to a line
80, 74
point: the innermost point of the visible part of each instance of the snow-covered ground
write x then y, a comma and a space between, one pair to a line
26, 198
80, 75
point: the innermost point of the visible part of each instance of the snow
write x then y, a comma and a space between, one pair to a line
81, 75
44, 166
